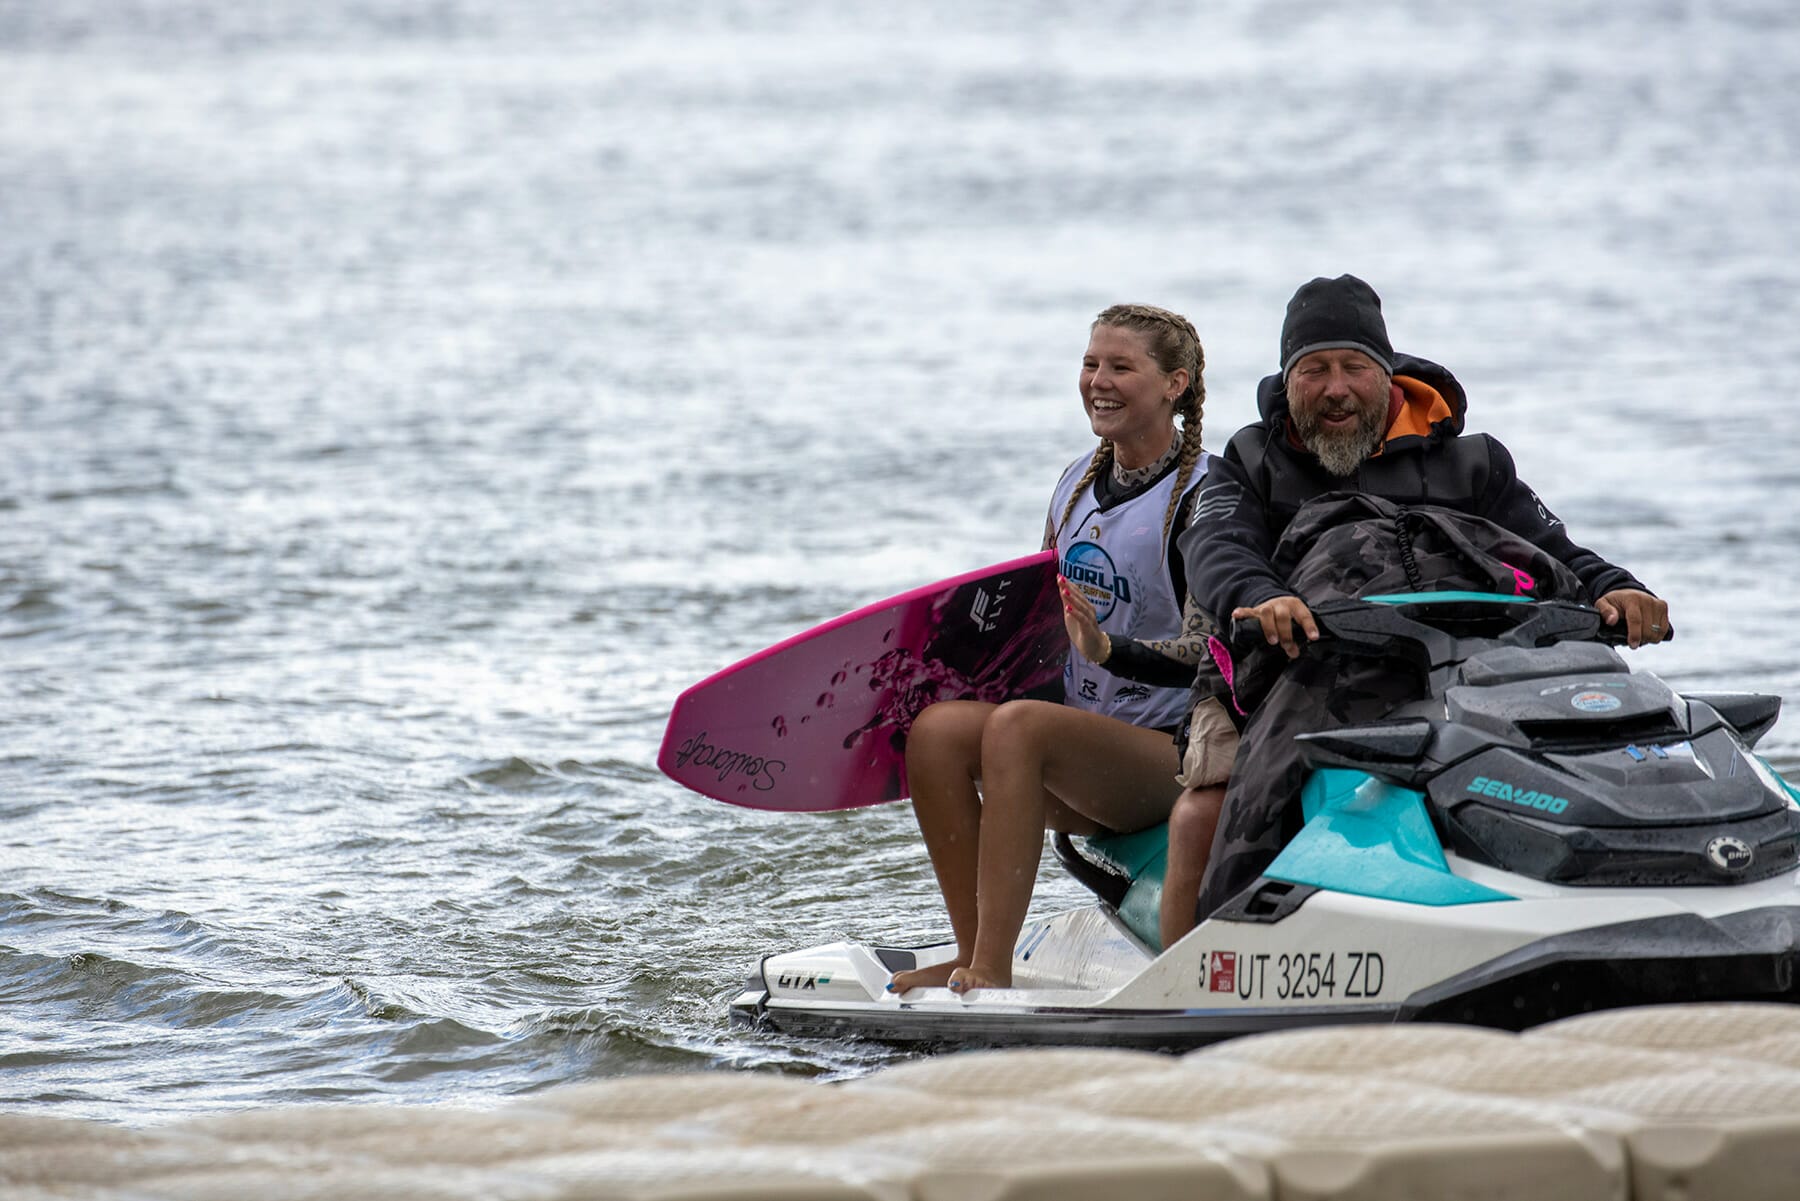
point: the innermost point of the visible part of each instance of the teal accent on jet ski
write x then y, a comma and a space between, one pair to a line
1372, 838
1786, 783
1144, 856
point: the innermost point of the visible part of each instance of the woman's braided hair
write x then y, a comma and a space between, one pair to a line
1174, 345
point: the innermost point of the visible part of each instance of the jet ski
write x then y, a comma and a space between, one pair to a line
1545, 833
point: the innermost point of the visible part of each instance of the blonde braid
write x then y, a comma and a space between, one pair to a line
1102, 461
1190, 455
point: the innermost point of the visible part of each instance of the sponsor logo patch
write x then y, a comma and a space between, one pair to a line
984, 611
1221, 971
1091, 569
1730, 854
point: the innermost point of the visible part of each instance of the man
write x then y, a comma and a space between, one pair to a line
1346, 414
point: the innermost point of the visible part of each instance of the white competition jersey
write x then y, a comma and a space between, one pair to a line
1120, 561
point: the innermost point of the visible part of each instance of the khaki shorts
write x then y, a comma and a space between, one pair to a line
1212, 747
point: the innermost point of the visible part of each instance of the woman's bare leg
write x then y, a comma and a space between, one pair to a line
1053, 766
1191, 826
943, 763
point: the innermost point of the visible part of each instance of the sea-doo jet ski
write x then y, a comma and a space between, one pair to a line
1545, 833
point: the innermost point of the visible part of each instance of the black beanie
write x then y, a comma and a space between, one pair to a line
1335, 314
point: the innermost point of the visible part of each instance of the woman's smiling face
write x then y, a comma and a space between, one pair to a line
1130, 401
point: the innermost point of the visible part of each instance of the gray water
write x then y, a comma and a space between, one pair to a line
402, 402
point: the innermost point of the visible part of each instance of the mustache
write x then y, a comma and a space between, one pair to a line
1316, 418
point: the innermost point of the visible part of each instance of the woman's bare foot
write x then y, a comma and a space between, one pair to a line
968, 979
935, 976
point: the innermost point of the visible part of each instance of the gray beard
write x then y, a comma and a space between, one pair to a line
1342, 454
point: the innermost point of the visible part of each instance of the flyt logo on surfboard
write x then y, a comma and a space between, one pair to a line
984, 611
1090, 568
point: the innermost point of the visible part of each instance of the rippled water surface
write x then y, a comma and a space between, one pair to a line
400, 403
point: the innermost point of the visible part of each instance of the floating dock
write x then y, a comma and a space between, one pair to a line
1677, 1103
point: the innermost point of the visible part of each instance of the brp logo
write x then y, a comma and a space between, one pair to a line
1730, 854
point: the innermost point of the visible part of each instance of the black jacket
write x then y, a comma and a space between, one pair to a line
1252, 491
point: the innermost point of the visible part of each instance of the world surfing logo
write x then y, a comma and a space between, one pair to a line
1091, 569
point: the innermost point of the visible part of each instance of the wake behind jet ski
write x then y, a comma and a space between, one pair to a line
1545, 833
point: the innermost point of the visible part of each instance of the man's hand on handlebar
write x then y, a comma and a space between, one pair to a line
1646, 617
1278, 617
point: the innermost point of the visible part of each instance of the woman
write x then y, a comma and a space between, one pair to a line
988, 779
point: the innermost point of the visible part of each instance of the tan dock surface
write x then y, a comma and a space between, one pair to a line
1681, 1103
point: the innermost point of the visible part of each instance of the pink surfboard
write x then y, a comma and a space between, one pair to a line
819, 721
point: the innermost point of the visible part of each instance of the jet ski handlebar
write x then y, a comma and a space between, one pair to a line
1426, 627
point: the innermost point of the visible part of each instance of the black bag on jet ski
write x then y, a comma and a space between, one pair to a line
1351, 545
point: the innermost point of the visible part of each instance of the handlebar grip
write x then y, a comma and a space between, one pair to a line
1620, 635
1245, 631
